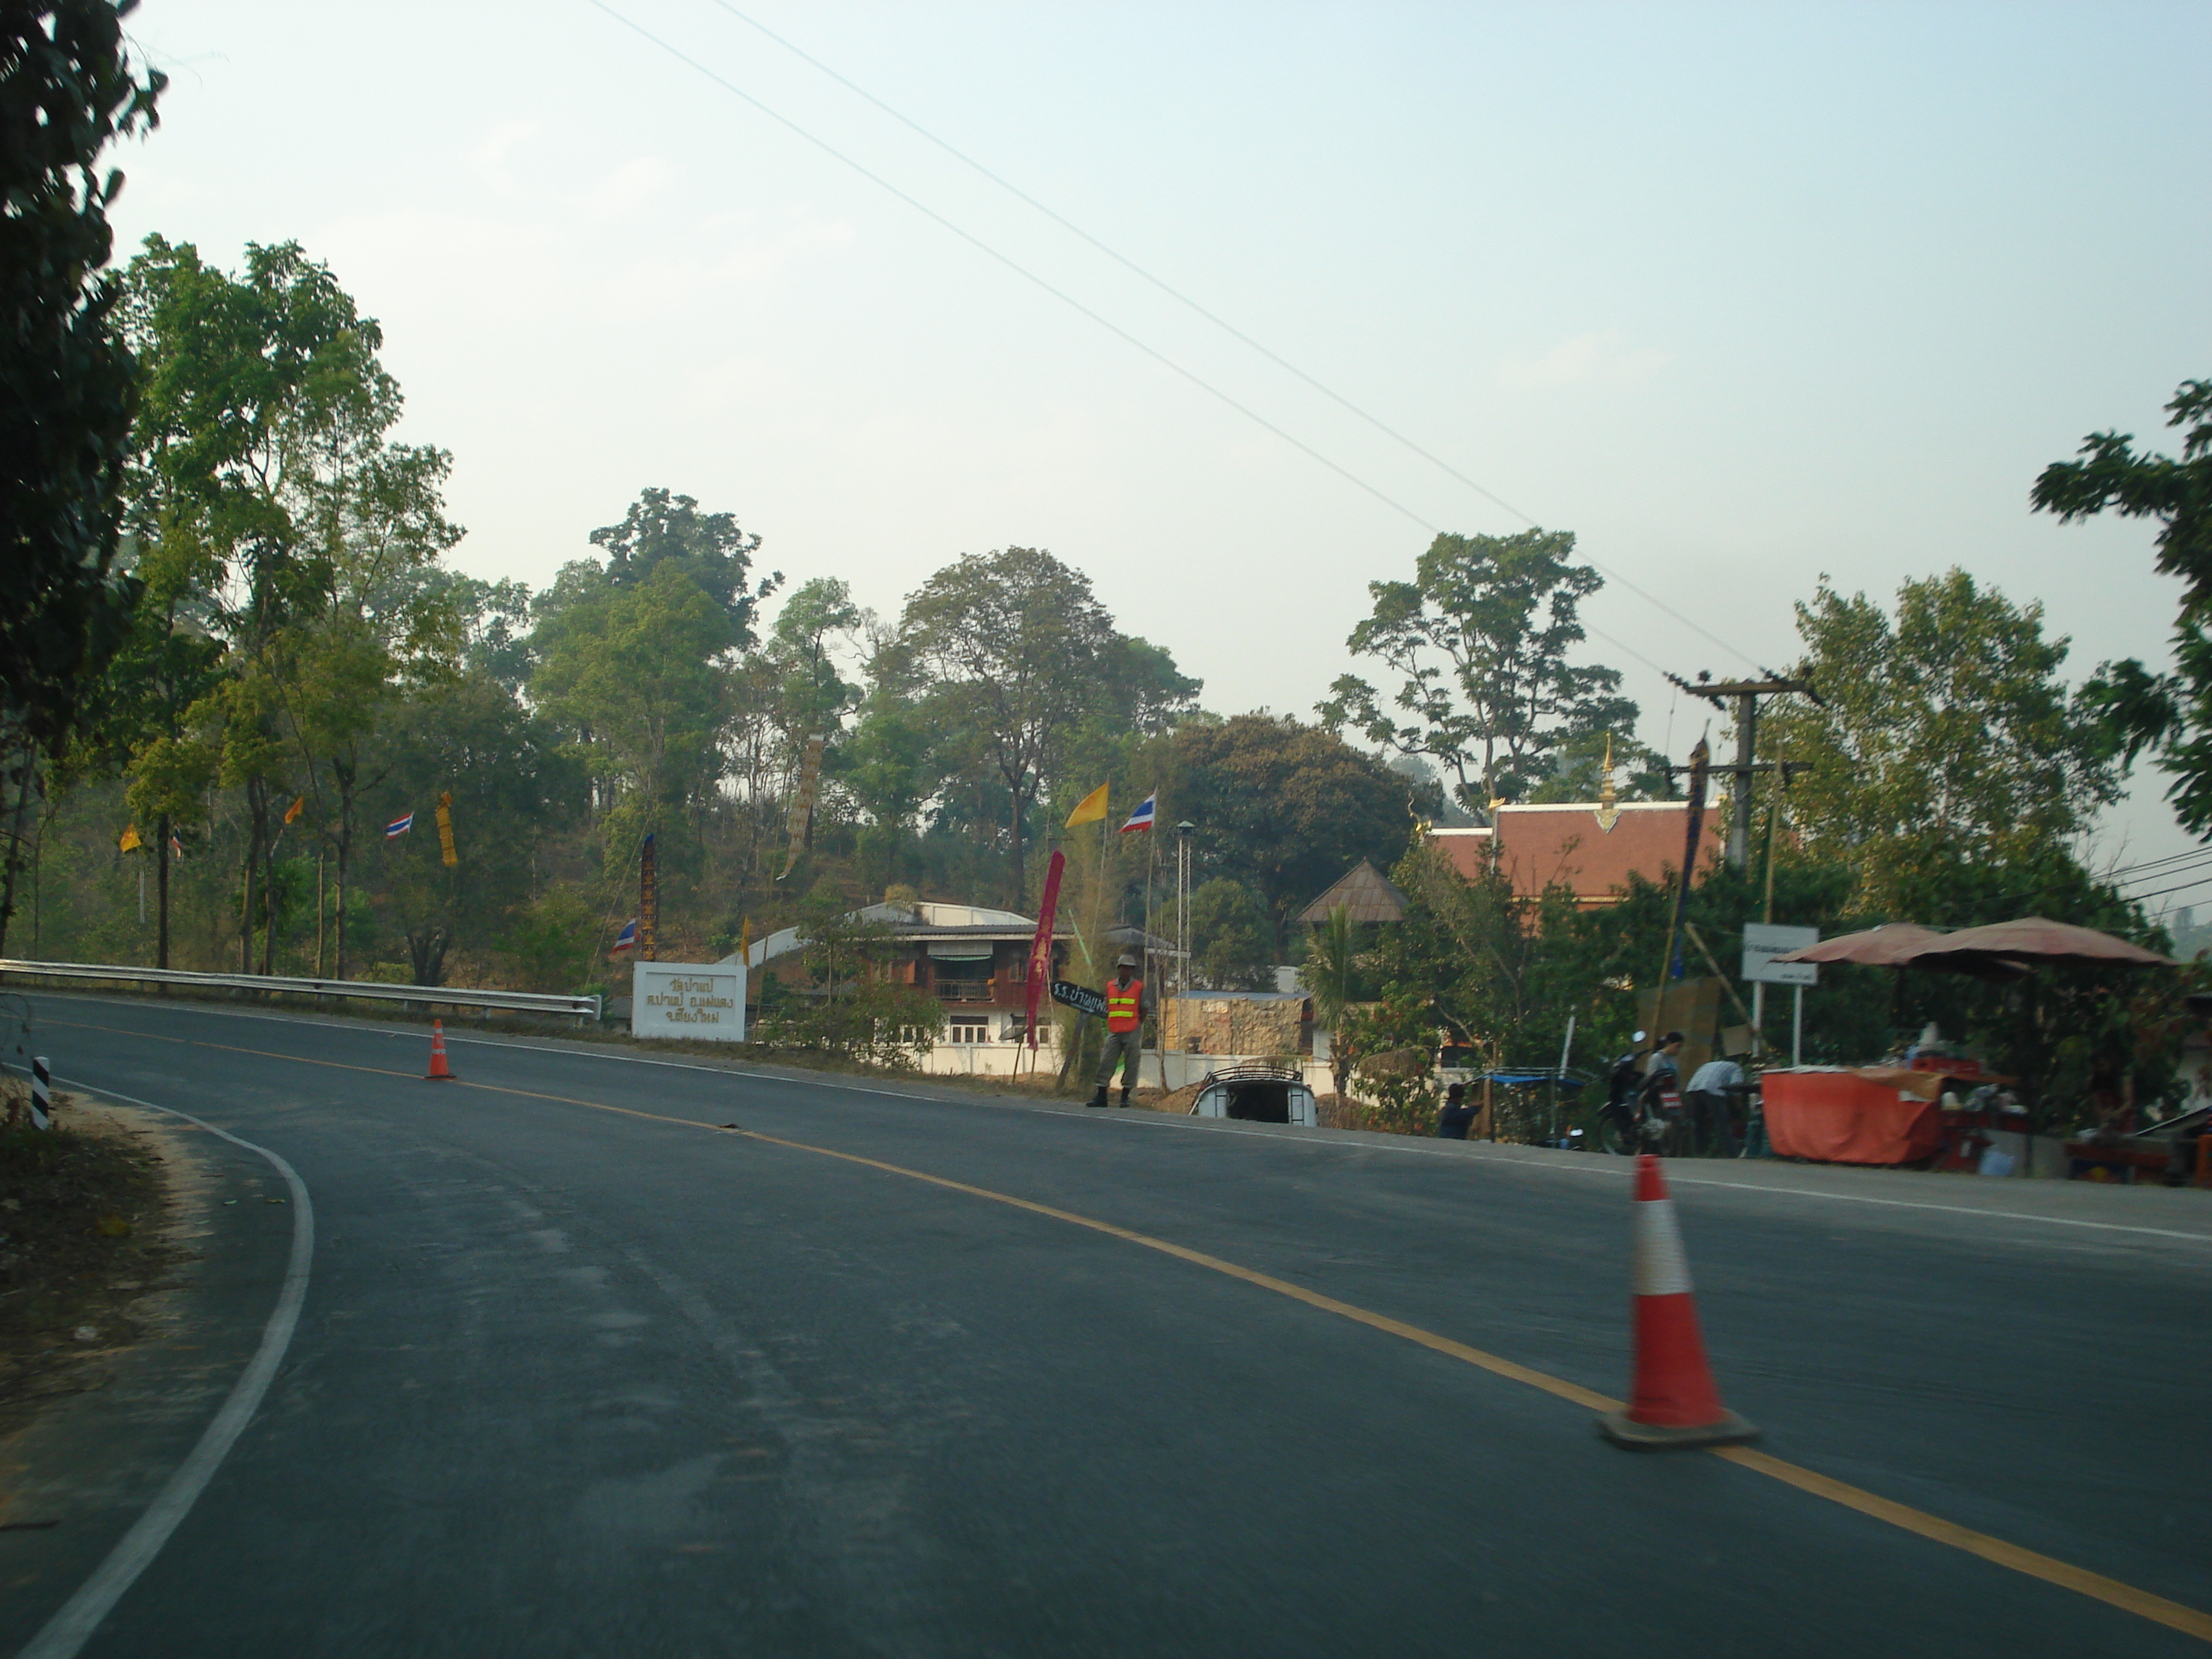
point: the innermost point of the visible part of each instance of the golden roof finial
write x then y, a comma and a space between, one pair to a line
1608, 812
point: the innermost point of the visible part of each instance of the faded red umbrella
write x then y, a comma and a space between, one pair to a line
1908, 945
1886, 946
2040, 939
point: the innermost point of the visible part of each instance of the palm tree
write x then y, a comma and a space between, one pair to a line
1331, 974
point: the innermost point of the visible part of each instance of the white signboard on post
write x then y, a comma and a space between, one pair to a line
1763, 941
703, 1001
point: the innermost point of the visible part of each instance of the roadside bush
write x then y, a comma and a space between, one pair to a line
872, 1023
551, 946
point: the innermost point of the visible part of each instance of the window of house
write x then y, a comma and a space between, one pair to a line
1017, 971
970, 1030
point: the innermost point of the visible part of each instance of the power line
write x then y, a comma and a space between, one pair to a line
1219, 322
1124, 261
1164, 286
1623, 645
2150, 869
2134, 879
1021, 270
2137, 898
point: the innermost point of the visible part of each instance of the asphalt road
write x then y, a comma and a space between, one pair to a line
578, 1381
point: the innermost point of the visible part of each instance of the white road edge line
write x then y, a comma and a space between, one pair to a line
81, 1615
1415, 1150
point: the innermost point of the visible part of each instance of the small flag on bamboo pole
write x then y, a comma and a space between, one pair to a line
446, 829
1091, 809
131, 843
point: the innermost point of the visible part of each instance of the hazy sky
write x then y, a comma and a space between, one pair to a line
1739, 294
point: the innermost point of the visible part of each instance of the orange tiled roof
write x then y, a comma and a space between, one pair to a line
1565, 843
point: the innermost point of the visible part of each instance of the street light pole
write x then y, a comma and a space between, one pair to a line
1183, 904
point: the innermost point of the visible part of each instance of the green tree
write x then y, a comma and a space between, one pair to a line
1333, 973
888, 767
1232, 937
661, 529
1288, 808
68, 90
551, 945
468, 738
263, 461
140, 719
635, 674
1944, 734
1007, 652
1480, 639
2170, 715
1579, 769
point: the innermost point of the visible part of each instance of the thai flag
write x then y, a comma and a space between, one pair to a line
626, 939
1142, 817
398, 826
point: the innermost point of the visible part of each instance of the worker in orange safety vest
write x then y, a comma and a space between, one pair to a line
1124, 1030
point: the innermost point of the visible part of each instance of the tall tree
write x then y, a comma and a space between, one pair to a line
1944, 733
1011, 647
68, 89
637, 675
708, 547
1288, 808
471, 739
2170, 715
263, 448
1479, 641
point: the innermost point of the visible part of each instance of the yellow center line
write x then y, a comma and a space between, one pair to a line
2064, 1575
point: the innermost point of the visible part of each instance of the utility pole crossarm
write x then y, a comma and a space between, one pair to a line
1745, 694
1775, 686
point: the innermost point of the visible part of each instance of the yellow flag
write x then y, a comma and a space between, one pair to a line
1090, 808
131, 843
445, 830
292, 812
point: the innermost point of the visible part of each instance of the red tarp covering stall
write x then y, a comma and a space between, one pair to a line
1875, 1115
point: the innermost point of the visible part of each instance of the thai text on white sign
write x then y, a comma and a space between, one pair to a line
1763, 941
706, 1002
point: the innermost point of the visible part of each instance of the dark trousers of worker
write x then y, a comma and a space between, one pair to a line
1122, 1047
1709, 1112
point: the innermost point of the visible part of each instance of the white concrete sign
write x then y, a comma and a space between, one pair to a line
1763, 941
704, 1001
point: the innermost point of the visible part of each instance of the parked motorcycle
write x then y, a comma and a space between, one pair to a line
1638, 1117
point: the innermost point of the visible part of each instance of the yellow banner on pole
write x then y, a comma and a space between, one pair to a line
446, 829
292, 812
1091, 809
131, 843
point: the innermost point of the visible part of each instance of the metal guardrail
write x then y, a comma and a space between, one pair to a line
452, 996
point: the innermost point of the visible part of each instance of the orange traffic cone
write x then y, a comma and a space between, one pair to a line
439, 1070
1674, 1401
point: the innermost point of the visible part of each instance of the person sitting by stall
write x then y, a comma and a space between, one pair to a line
1457, 1116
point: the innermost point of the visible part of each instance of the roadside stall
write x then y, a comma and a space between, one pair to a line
2177, 1152
1937, 1109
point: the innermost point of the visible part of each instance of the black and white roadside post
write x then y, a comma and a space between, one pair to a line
42, 1094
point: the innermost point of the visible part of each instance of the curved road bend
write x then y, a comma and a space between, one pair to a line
580, 1374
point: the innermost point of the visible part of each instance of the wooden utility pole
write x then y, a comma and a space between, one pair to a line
1745, 694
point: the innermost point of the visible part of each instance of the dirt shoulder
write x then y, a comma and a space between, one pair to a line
87, 1237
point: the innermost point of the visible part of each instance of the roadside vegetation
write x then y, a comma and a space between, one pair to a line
81, 1213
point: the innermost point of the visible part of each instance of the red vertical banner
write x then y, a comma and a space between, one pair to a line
1040, 974
648, 900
